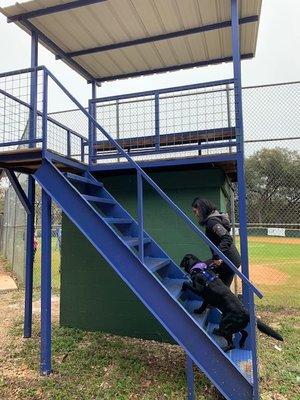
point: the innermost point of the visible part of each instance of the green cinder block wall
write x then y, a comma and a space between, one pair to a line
93, 297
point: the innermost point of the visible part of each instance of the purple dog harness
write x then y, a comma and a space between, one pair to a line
201, 267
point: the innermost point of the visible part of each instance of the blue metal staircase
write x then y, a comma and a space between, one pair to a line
151, 274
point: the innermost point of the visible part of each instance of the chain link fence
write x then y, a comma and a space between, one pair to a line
13, 228
272, 151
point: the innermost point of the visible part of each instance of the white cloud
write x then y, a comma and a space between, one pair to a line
6, 3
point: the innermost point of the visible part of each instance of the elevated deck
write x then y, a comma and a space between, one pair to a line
28, 160
201, 162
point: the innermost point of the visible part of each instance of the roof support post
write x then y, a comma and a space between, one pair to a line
247, 294
31, 194
33, 87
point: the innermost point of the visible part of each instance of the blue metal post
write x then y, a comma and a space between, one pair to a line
45, 112
82, 150
33, 87
31, 194
157, 130
118, 122
46, 286
92, 127
91, 144
68, 144
190, 378
247, 295
29, 261
140, 207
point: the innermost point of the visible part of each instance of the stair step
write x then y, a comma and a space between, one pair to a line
116, 221
134, 241
155, 264
190, 306
96, 199
243, 360
222, 342
173, 286
82, 179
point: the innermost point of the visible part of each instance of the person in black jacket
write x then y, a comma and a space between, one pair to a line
218, 231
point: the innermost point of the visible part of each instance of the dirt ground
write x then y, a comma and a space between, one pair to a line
11, 310
273, 239
11, 368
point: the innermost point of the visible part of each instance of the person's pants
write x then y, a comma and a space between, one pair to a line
225, 274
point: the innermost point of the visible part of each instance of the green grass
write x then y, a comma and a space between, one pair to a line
92, 365
270, 252
95, 366
280, 370
282, 257
55, 266
98, 366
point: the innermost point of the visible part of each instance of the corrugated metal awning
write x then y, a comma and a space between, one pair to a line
112, 39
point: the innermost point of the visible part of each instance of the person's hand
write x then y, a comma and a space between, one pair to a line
217, 263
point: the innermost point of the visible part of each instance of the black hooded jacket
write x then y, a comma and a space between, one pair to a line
218, 231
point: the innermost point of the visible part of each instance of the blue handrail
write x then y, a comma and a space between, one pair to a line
163, 91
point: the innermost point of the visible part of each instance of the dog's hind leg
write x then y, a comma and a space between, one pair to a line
202, 308
243, 338
230, 345
216, 331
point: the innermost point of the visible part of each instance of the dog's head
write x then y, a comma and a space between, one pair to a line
188, 261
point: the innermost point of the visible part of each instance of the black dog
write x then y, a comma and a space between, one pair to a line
214, 292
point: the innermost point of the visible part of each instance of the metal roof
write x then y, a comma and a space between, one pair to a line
111, 39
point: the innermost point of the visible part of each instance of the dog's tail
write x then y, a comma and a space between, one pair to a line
264, 328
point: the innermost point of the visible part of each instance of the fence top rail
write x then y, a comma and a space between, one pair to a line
269, 225
21, 71
272, 84
163, 91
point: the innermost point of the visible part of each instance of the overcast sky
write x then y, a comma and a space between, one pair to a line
277, 57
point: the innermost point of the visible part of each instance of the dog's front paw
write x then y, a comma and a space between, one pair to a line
228, 348
185, 286
217, 332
